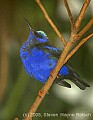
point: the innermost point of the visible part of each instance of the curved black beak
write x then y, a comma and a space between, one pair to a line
33, 31
29, 26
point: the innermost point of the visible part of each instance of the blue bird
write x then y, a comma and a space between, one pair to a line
39, 59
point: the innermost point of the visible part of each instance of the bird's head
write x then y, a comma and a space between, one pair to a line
36, 37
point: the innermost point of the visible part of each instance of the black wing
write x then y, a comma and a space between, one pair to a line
46, 47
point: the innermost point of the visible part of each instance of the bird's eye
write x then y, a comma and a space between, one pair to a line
37, 35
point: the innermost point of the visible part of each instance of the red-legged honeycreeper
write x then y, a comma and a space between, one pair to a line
39, 59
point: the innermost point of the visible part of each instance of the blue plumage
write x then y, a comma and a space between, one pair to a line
39, 59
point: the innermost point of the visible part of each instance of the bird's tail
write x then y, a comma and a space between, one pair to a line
80, 83
75, 79
63, 83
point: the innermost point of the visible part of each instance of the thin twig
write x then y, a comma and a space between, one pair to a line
51, 23
85, 29
81, 14
70, 15
77, 47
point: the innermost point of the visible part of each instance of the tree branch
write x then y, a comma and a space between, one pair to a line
85, 29
70, 15
81, 14
51, 23
50, 81
77, 47
62, 60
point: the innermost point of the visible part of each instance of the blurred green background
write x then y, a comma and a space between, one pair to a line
17, 90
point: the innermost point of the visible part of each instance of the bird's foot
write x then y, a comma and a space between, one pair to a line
57, 76
52, 75
40, 93
51, 72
